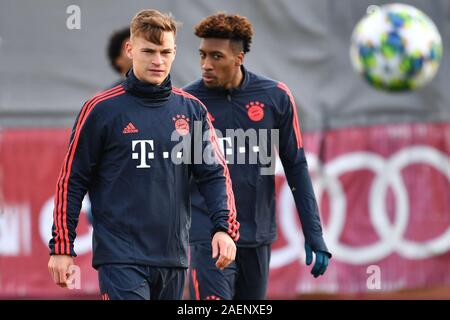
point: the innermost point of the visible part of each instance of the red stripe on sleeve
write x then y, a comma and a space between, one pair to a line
233, 225
296, 125
62, 243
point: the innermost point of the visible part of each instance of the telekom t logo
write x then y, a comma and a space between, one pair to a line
144, 153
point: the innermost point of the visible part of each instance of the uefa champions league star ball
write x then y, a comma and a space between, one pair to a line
396, 47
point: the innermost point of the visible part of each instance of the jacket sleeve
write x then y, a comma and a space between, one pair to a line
213, 180
74, 180
295, 166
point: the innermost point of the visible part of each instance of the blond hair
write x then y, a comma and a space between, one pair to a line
150, 24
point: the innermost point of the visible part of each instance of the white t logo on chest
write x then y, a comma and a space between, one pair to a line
143, 153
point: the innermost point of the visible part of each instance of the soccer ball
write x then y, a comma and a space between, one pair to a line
396, 47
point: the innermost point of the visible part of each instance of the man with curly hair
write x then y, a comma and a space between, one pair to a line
239, 99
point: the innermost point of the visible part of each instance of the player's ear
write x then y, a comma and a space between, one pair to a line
129, 48
239, 59
174, 50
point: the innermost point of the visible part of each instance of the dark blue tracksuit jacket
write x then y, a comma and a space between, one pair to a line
120, 152
259, 103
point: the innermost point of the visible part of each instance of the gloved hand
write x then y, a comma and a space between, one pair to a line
321, 264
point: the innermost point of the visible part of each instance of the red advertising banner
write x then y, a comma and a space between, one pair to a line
384, 194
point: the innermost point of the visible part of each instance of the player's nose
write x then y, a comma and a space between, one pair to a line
207, 65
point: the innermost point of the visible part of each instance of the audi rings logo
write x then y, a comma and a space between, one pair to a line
391, 235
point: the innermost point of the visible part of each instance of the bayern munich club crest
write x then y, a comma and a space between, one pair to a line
255, 111
181, 124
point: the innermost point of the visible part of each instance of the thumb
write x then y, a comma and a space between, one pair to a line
64, 275
215, 248
308, 252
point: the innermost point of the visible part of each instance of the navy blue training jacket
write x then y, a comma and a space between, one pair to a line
120, 152
259, 103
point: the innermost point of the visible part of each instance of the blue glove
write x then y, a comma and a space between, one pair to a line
321, 264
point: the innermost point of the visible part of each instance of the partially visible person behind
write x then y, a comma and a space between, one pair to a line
117, 54
239, 99
120, 151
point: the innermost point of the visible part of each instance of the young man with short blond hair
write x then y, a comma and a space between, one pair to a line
119, 152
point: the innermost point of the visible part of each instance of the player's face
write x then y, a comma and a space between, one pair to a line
220, 63
152, 62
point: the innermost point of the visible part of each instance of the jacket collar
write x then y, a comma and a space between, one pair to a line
150, 95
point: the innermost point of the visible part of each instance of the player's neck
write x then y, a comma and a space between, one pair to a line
236, 81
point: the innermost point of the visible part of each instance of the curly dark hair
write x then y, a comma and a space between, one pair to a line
115, 46
226, 26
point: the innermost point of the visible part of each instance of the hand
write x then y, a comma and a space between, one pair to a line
224, 247
321, 264
58, 266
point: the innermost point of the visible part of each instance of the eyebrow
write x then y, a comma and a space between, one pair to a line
153, 50
212, 52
